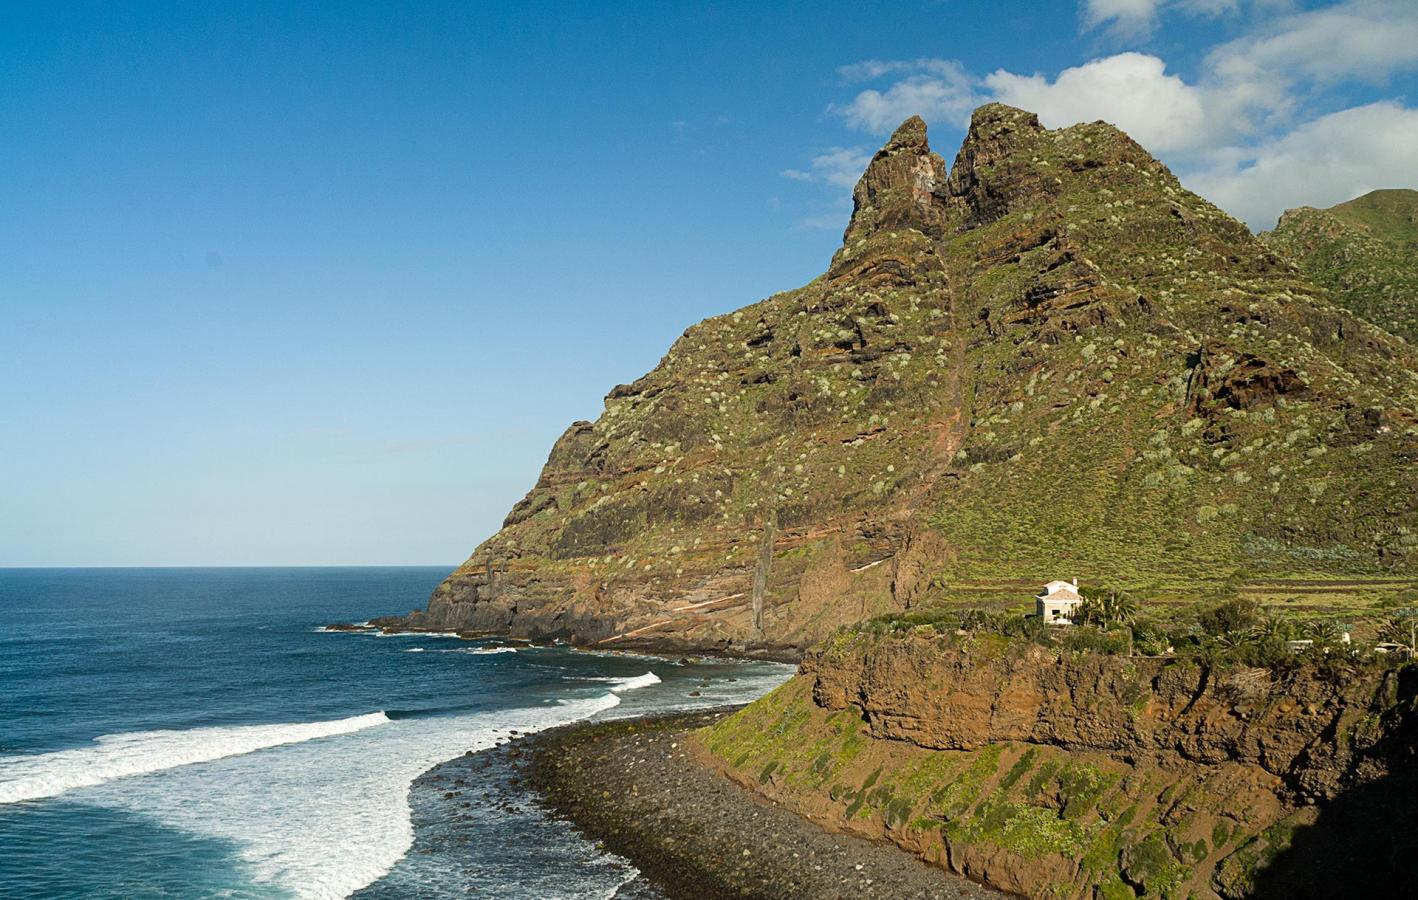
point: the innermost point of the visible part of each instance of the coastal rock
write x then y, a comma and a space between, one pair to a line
1052, 774
969, 694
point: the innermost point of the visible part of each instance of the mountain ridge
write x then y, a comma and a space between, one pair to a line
1363, 252
1050, 356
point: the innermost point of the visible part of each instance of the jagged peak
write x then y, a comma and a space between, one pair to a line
899, 189
1009, 161
909, 135
998, 130
995, 116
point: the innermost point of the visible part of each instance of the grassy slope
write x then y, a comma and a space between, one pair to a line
1094, 449
1365, 251
1028, 818
1390, 215
1091, 452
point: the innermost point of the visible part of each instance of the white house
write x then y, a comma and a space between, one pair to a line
1057, 601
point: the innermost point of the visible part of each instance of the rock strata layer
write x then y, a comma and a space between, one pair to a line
1052, 775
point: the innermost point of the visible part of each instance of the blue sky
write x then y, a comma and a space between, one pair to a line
321, 283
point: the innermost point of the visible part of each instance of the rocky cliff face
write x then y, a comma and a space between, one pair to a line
1052, 357
1365, 251
977, 691
1050, 774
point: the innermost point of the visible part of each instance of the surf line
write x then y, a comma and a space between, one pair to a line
124, 755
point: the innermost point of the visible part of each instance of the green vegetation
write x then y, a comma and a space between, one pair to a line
1237, 875
1363, 251
1084, 818
1234, 632
1058, 362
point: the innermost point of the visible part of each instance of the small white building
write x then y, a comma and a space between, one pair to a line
1057, 601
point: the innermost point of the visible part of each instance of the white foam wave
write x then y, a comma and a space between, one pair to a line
324, 819
750, 681
144, 752
352, 628
639, 681
475, 651
416, 634
632, 874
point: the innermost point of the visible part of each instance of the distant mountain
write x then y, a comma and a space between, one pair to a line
1365, 251
1052, 362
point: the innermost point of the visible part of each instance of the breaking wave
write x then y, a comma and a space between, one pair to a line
144, 752
639, 681
414, 634
279, 809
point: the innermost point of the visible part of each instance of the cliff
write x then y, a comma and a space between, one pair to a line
1047, 773
1052, 359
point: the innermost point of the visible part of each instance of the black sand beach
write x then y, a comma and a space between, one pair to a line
634, 786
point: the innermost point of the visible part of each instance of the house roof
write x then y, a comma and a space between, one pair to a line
1066, 594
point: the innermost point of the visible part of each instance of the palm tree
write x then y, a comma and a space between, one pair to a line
1274, 628
1398, 630
1324, 632
1119, 608
1089, 611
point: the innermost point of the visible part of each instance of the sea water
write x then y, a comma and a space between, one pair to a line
196, 733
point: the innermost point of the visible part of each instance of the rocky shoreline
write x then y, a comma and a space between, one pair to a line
638, 787
391, 625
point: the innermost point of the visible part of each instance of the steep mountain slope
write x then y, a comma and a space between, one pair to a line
1054, 360
1365, 251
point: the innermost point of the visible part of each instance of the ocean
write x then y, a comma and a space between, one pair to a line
195, 733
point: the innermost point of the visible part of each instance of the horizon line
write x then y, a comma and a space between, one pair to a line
5, 568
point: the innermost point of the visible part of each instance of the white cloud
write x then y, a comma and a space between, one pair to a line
1367, 39
1125, 18
829, 221
1268, 122
872, 69
1130, 90
1257, 84
837, 166
1137, 19
937, 89
1323, 162
1210, 8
